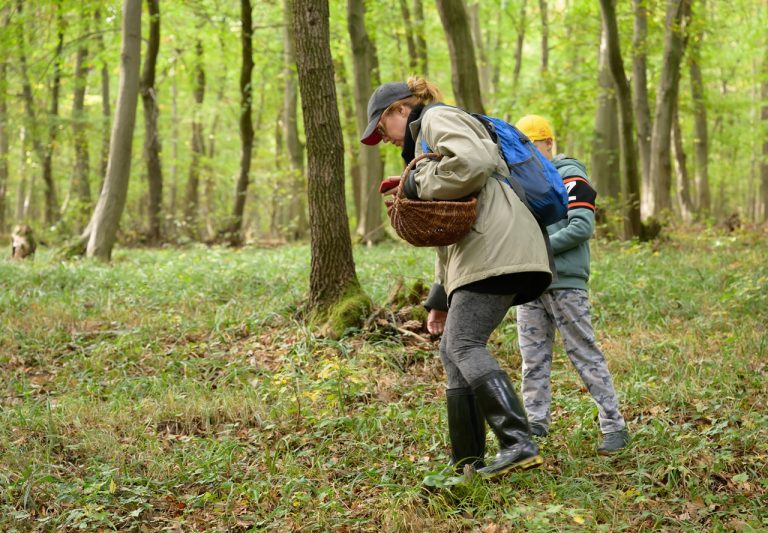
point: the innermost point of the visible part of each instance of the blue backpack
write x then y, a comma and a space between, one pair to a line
544, 192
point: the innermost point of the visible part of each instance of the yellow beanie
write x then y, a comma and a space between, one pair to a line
536, 128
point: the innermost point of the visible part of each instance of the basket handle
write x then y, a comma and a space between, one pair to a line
410, 166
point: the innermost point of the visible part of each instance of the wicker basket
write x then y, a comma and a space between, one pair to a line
430, 223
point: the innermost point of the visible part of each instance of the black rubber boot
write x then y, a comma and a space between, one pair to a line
505, 414
466, 428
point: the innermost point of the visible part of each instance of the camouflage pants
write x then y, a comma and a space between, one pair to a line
568, 311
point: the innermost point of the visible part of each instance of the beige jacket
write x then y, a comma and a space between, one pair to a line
505, 238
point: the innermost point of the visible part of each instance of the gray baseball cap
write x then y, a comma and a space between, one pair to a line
383, 97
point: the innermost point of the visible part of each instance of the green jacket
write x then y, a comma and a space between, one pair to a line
570, 237
505, 238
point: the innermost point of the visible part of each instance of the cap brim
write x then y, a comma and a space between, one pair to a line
371, 134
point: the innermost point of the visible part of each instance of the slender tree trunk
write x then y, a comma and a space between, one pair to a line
151, 133
606, 153
332, 271
483, 67
106, 110
4, 141
298, 211
678, 12
626, 124
51, 202
246, 122
764, 118
410, 37
21, 192
544, 36
464, 76
81, 187
192, 202
641, 106
701, 134
521, 23
421, 40
683, 179
366, 67
106, 217
174, 185
354, 152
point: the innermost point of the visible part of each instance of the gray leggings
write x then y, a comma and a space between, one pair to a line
472, 318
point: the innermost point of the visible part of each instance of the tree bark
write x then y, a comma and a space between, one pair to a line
246, 122
151, 133
764, 119
106, 216
464, 75
606, 158
483, 67
701, 134
678, 12
519, 45
192, 201
410, 38
626, 125
298, 211
106, 109
332, 269
544, 36
641, 106
421, 40
51, 202
683, 179
82, 185
4, 142
366, 69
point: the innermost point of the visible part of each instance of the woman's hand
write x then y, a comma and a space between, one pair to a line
436, 321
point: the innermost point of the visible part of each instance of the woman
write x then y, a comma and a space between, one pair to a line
502, 262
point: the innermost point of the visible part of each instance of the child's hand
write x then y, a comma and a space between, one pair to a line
436, 321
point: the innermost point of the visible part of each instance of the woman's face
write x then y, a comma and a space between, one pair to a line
393, 123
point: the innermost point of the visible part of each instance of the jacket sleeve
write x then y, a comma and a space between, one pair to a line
470, 157
581, 216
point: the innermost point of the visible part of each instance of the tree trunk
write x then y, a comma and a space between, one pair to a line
51, 202
106, 110
544, 36
298, 212
351, 129
366, 67
464, 76
82, 178
246, 122
106, 216
626, 125
421, 40
4, 141
192, 202
332, 270
678, 12
764, 116
606, 158
641, 106
151, 134
484, 67
519, 45
701, 135
174, 185
683, 179
410, 38
21, 192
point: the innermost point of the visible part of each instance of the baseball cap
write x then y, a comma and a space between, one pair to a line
536, 128
383, 97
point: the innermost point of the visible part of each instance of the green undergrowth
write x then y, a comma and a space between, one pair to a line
175, 390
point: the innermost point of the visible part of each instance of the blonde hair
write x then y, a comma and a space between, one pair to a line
423, 93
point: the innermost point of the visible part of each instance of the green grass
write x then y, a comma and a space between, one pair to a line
175, 389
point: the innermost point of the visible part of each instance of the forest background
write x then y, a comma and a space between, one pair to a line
180, 386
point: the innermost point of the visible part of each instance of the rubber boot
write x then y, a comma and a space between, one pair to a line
466, 428
505, 414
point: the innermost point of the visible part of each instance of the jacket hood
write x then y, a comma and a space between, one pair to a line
560, 161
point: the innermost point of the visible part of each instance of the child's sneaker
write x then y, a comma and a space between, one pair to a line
613, 442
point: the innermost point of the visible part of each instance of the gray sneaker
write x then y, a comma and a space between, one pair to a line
613, 442
537, 430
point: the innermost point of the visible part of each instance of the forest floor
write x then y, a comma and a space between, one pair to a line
175, 390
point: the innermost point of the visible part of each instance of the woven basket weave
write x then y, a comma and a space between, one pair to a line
433, 222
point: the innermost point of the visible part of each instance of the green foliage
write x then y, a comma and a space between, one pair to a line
173, 389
